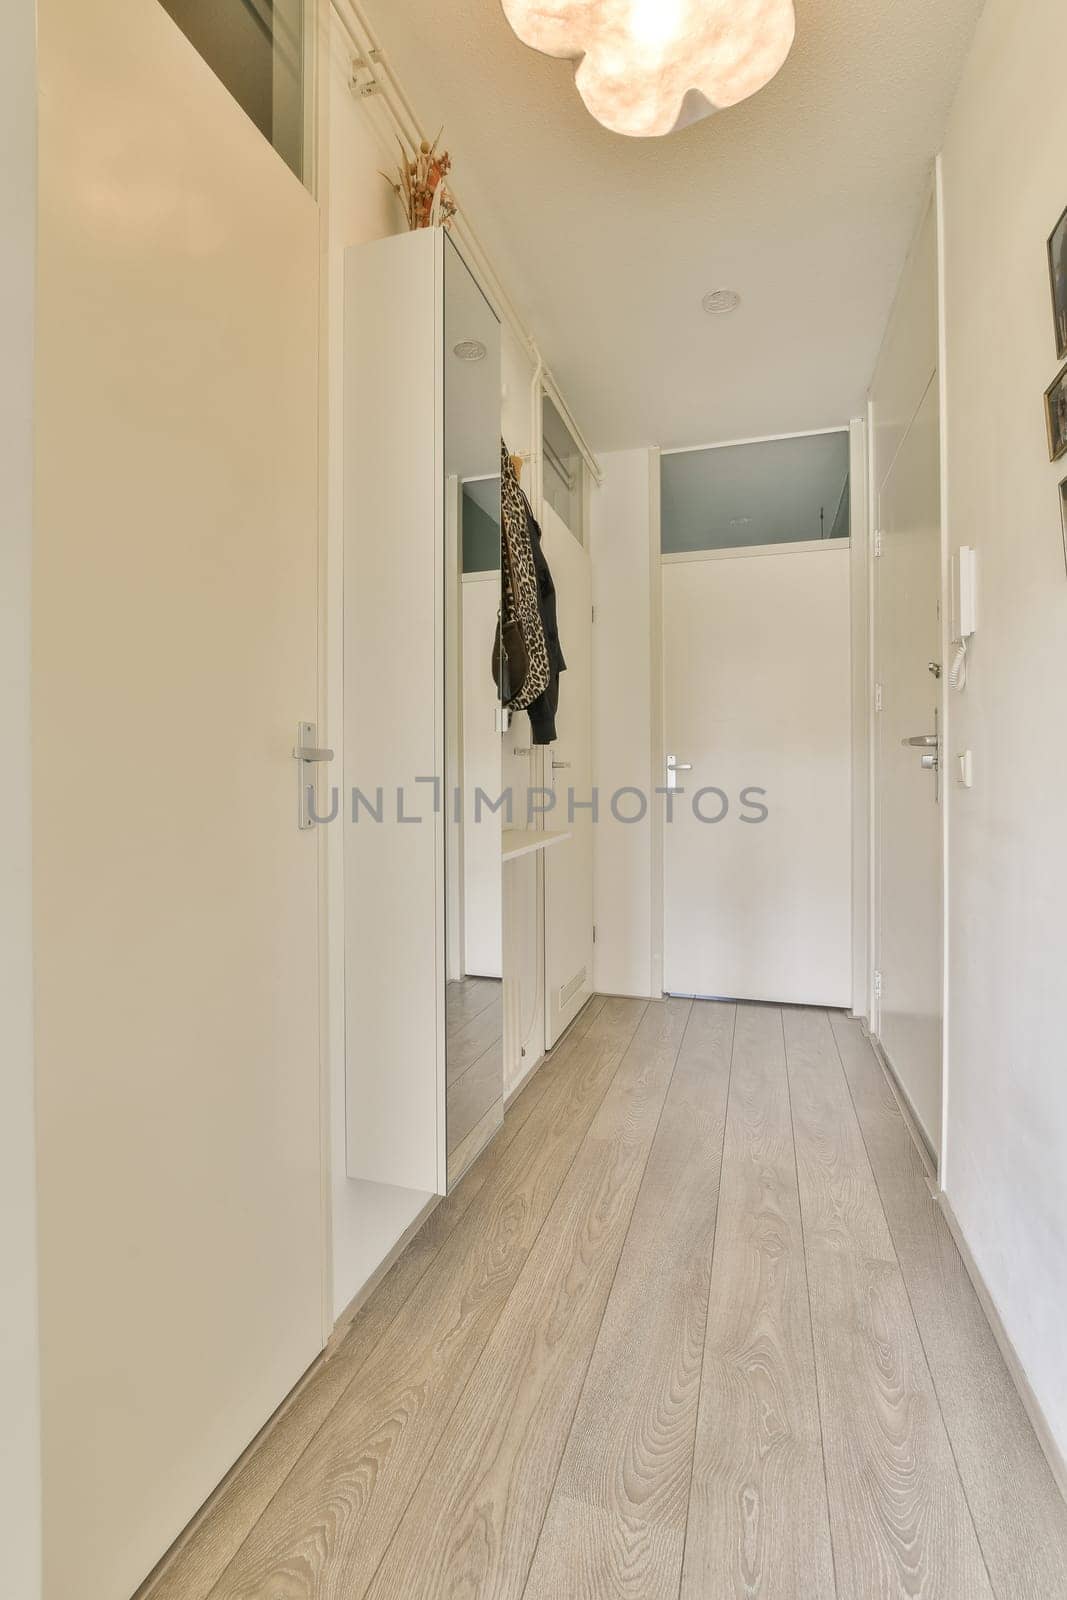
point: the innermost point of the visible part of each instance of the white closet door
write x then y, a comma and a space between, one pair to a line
569, 767
176, 925
395, 711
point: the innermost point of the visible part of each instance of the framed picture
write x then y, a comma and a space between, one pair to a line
1063, 514
1056, 416
1057, 267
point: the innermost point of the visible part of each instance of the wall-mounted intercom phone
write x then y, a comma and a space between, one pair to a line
964, 612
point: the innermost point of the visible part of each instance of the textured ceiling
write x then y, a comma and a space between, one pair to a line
804, 199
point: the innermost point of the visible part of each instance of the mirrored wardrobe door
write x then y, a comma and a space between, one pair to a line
474, 1093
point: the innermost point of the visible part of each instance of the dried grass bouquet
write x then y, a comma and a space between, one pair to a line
422, 189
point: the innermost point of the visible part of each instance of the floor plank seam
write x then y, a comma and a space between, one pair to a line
811, 1320
503, 1308
604, 1310
707, 1308
356, 1376
918, 1330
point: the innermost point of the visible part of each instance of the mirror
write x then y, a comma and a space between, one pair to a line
474, 1094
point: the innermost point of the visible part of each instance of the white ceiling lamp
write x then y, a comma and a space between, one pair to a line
647, 67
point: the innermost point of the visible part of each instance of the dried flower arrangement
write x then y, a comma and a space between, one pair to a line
422, 189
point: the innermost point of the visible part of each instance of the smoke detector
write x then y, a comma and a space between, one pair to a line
720, 302
470, 350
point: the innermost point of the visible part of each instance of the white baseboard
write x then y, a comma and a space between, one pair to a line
362, 1295
927, 1156
519, 1085
1032, 1406
527, 1073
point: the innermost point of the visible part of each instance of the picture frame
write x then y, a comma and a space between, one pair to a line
1057, 272
1056, 415
1063, 516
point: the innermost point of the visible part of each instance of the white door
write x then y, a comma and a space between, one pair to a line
908, 830
175, 899
757, 858
569, 768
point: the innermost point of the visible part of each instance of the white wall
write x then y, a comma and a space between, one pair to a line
20, 1469
1005, 185
620, 548
368, 1219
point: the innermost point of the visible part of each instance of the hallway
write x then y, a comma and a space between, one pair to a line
693, 1326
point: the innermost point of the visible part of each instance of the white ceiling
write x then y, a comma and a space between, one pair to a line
803, 198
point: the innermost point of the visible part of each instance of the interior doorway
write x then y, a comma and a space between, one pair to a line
757, 729
907, 1001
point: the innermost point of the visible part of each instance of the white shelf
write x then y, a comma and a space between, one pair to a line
517, 842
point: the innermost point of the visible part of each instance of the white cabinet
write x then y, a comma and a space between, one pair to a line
421, 498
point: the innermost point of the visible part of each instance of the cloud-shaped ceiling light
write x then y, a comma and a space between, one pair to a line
647, 67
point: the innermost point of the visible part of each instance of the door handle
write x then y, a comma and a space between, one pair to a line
307, 753
931, 744
674, 767
304, 752
558, 766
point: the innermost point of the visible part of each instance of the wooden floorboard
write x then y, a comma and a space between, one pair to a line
333, 1517
616, 1521
900, 1521
473, 1523
1020, 1516
198, 1561
758, 1519
692, 1327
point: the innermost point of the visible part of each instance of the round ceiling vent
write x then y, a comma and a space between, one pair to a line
470, 350
720, 302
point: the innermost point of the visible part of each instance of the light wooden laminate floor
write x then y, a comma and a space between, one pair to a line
692, 1327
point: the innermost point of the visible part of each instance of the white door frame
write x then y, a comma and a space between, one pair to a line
20, 1460
861, 677
934, 196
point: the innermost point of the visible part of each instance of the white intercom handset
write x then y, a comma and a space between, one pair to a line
964, 620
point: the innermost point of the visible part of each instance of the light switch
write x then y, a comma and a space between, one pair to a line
966, 769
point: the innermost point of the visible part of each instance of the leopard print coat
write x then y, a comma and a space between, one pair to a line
520, 584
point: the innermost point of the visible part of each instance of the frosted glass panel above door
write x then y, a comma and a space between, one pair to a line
257, 49
780, 491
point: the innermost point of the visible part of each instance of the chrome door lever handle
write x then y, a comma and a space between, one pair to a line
674, 767
922, 741
557, 766
304, 749
307, 752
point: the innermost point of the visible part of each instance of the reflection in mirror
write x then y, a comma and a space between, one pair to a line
474, 1099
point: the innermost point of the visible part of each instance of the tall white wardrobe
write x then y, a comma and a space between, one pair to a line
467, 868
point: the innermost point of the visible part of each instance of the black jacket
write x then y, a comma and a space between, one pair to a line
542, 711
